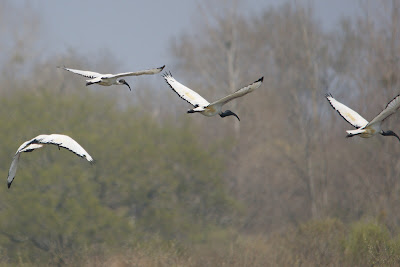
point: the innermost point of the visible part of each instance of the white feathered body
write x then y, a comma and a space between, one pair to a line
210, 110
105, 80
366, 132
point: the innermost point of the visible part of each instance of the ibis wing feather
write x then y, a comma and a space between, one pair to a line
13, 169
40, 140
138, 73
185, 93
30, 148
347, 113
24, 146
67, 143
241, 92
27, 146
85, 73
390, 109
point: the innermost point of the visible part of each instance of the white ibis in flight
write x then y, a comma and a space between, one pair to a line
111, 79
43, 139
366, 129
203, 106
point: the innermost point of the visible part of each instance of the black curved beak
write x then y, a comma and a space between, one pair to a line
124, 82
228, 113
390, 133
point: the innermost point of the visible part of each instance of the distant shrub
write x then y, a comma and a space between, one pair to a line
315, 243
370, 244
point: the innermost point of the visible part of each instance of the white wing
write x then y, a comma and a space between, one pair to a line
65, 142
40, 140
30, 148
25, 147
13, 170
347, 113
85, 73
137, 73
185, 93
241, 92
390, 109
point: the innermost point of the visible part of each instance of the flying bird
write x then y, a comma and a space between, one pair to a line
111, 79
203, 106
43, 139
366, 129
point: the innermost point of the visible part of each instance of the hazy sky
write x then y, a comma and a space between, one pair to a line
138, 33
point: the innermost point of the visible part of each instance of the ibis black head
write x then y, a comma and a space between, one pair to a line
389, 133
122, 81
228, 113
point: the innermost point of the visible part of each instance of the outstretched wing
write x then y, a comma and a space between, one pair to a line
138, 73
347, 113
13, 170
66, 142
25, 147
185, 93
85, 73
30, 148
40, 140
241, 92
390, 109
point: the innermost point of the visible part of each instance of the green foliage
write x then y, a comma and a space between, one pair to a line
148, 178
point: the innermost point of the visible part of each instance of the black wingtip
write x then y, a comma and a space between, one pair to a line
9, 184
261, 79
162, 67
328, 95
166, 74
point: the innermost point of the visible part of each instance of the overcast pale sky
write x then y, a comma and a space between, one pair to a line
138, 33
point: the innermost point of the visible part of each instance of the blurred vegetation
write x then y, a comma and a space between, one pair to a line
148, 178
281, 188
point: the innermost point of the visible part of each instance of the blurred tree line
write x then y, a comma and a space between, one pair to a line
173, 189
295, 163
